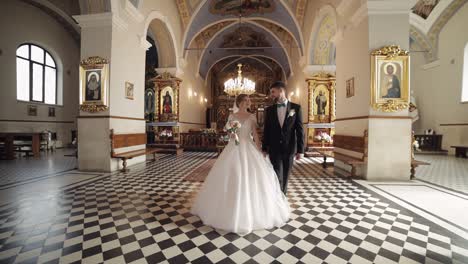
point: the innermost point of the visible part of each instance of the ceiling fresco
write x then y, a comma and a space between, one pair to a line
244, 37
424, 8
244, 7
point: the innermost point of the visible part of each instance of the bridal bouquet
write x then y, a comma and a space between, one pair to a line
232, 127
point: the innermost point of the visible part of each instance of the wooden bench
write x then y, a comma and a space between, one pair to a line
358, 145
350, 143
460, 151
129, 140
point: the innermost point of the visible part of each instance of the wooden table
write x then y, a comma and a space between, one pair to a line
9, 137
460, 151
324, 152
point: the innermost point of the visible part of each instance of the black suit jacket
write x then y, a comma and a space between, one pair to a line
287, 139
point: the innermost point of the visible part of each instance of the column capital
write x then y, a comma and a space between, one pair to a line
312, 69
101, 20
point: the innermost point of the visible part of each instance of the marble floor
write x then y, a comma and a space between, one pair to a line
28, 169
447, 171
143, 217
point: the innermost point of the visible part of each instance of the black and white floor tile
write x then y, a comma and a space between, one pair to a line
27, 169
143, 217
446, 171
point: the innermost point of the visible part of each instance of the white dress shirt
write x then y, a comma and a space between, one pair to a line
282, 113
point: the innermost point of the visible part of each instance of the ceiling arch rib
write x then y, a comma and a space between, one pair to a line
208, 13
249, 39
230, 59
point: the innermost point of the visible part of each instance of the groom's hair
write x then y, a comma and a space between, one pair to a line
278, 85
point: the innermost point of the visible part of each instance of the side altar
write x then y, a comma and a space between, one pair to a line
162, 113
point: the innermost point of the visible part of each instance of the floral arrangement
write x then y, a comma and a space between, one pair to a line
209, 131
416, 145
165, 133
323, 137
232, 127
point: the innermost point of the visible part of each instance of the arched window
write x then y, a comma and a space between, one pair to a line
36, 75
464, 97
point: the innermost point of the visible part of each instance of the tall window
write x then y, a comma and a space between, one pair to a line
36, 75
465, 76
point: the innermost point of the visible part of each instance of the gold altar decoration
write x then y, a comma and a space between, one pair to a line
390, 79
167, 97
321, 90
94, 72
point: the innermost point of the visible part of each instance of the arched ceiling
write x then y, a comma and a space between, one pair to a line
209, 24
427, 20
246, 39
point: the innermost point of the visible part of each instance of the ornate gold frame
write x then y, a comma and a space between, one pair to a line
161, 82
390, 53
329, 81
94, 63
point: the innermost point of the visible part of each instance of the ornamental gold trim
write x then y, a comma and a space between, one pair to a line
93, 108
391, 51
390, 87
94, 60
391, 106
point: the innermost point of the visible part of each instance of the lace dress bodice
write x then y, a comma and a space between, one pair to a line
247, 126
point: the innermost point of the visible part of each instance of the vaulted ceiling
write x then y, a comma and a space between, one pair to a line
221, 29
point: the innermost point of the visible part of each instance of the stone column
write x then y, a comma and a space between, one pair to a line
370, 26
108, 36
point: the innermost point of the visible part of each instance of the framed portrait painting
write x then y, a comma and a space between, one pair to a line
129, 90
32, 110
93, 84
390, 79
350, 88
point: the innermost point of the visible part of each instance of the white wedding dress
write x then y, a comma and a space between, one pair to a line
241, 192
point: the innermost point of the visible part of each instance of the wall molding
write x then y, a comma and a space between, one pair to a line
111, 117
431, 65
37, 121
371, 117
191, 123
455, 124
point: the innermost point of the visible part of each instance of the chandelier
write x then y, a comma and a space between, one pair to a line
239, 85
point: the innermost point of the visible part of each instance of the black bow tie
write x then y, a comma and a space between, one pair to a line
281, 105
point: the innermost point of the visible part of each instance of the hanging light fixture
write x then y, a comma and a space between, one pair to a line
239, 85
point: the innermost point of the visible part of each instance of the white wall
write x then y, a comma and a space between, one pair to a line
20, 23
438, 89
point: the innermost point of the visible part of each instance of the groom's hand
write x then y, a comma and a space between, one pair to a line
299, 156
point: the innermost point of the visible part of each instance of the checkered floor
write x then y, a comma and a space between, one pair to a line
143, 217
25, 169
446, 171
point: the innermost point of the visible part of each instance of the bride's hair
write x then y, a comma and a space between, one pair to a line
240, 98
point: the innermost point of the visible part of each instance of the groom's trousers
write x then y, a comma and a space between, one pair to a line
282, 164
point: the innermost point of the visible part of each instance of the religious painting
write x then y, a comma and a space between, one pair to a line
390, 79
32, 110
424, 8
321, 97
167, 96
244, 7
93, 84
350, 88
51, 111
149, 101
244, 37
321, 101
129, 90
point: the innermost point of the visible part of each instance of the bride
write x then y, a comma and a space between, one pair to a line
241, 192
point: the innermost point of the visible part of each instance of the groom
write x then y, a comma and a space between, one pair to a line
283, 137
